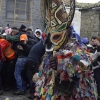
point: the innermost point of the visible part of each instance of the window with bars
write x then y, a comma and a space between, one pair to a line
18, 10
10, 9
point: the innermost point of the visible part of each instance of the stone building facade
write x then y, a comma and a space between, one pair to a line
17, 12
27, 12
90, 22
90, 18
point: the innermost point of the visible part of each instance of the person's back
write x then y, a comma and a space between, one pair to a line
37, 52
33, 61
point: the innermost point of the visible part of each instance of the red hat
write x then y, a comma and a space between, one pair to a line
43, 35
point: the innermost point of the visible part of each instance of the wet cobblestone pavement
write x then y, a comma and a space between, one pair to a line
10, 95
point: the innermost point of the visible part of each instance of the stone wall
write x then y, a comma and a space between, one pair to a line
37, 18
89, 23
37, 21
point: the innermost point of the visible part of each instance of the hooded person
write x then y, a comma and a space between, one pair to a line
8, 52
38, 34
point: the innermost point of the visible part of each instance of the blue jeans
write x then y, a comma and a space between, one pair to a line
97, 79
18, 69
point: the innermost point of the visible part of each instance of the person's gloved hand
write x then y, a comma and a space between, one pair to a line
19, 47
53, 62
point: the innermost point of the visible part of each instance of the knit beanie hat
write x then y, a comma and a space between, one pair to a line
85, 40
22, 27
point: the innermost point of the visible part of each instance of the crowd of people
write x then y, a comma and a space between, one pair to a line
21, 53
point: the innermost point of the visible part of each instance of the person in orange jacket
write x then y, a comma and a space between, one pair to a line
1, 58
7, 70
8, 52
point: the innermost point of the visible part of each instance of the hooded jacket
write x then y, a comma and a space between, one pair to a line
37, 52
7, 49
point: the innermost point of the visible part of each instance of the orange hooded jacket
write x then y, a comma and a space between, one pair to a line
7, 50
